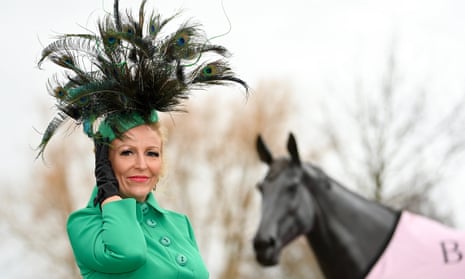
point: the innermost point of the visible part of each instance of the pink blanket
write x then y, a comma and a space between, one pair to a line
421, 249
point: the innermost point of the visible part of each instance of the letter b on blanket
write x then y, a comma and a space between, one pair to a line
451, 251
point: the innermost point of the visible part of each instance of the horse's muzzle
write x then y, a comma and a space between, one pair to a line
266, 250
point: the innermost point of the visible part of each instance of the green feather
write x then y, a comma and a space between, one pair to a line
126, 67
56, 122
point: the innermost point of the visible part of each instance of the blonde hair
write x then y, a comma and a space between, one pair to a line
162, 132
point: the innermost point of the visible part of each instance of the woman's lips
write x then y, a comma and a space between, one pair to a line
138, 178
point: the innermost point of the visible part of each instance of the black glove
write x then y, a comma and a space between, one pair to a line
106, 181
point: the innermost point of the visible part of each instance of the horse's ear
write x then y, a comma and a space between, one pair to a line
292, 148
263, 152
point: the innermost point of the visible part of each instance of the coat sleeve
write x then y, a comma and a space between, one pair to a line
190, 232
110, 241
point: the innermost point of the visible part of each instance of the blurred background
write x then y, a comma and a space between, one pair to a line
373, 91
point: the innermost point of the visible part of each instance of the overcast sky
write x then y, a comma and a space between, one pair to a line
309, 43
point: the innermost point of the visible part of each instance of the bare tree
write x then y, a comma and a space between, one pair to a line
397, 150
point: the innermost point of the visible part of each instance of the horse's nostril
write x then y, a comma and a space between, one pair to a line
272, 241
264, 242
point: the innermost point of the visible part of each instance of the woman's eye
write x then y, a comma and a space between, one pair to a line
125, 153
153, 154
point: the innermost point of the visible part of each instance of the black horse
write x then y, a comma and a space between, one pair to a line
346, 231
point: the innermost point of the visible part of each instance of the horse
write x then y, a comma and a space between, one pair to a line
348, 233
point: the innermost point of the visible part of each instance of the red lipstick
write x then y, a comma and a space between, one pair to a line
138, 178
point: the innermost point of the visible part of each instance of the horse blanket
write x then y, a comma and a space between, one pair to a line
421, 248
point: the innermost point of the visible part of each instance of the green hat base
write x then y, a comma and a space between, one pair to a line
115, 125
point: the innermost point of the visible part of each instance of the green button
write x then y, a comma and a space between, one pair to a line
151, 222
145, 208
181, 260
165, 241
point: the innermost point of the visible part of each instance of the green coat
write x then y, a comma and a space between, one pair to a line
128, 239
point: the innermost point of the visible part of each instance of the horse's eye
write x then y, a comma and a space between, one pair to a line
260, 187
292, 189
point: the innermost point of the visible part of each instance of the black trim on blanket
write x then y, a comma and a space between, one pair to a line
381, 250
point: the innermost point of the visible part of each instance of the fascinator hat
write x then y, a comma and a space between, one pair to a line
123, 75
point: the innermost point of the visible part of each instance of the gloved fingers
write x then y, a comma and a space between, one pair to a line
101, 150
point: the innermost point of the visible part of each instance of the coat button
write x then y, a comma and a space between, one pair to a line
181, 260
165, 241
151, 222
145, 208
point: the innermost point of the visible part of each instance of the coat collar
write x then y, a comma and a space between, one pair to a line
153, 203
150, 201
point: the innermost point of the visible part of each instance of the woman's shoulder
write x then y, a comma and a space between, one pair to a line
85, 214
152, 201
179, 216
89, 212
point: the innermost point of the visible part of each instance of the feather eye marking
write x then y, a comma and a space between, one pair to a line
126, 67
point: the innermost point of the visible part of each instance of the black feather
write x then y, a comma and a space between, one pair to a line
127, 67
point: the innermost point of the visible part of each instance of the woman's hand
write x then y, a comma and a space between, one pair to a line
106, 181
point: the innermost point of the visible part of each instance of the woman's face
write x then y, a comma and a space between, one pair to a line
137, 162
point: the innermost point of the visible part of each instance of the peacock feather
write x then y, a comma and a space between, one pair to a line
128, 67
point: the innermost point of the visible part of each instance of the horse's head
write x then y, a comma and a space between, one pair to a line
287, 207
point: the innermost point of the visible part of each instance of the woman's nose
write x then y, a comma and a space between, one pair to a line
140, 162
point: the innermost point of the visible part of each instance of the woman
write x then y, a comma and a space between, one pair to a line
116, 82
131, 236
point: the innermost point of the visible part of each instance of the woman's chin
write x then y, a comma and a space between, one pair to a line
138, 192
